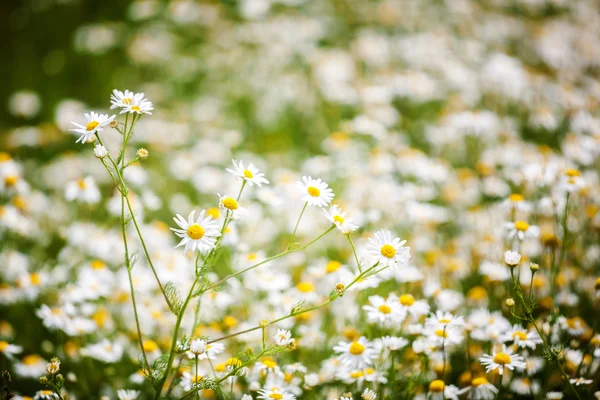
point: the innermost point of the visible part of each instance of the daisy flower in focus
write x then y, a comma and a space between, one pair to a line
45, 395
317, 192
521, 230
356, 354
231, 205
251, 174
275, 393
94, 123
338, 217
130, 102
388, 252
197, 234
501, 360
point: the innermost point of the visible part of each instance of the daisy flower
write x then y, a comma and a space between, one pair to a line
580, 381
416, 308
45, 395
512, 258
199, 234
356, 354
127, 394
501, 360
368, 394
384, 312
83, 190
443, 319
438, 390
521, 337
95, 123
317, 192
480, 389
120, 99
521, 230
251, 174
8, 349
388, 252
136, 104
197, 347
212, 350
231, 205
571, 181
283, 337
275, 393
188, 380
338, 217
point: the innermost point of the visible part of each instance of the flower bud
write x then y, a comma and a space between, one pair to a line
534, 267
142, 153
510, 302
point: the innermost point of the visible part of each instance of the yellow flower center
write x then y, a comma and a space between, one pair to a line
521, 225
34, 278
248, 174
385, 309
3, 345
441, 333
277, 396
135, 108
269, 363
91, 125
11, 180
572, 173
4, 157
234, 362
196, 378
230, 203
150, 346
213, 212
313, 191
230, 322
332, 266
520, 334
516, 197
127, 100
339, 219
437, 386
81, 183
305, 287
97, 264
406, 300
45, 392
388, 251
479, 381
31, 359
195, 232
356, 374
220, 367
444, 321
502, 358
356, 348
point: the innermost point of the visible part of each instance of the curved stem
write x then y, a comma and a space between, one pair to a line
298, 222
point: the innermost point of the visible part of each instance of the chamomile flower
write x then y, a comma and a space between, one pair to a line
438, 390
387, 251
368, 394
521, 230
512, 258
120, 99
283, 337
416, 308
8, 349
251, 174
571, 181
316, 192
212, 351
356, 354
189, 380
338, 217
502, 360
521, 337
94, 123
275, 393
45, 395
138, 104
197, 347
100, 151
197, 233
384, 312
443, 319
83, 190
128, 394
231, 206
581, 381
480, 389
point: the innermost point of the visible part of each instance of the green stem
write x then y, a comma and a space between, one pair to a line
298, 222
354, 251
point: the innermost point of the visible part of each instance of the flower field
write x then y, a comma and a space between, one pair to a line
299, 199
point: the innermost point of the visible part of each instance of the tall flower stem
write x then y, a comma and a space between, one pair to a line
298, 222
